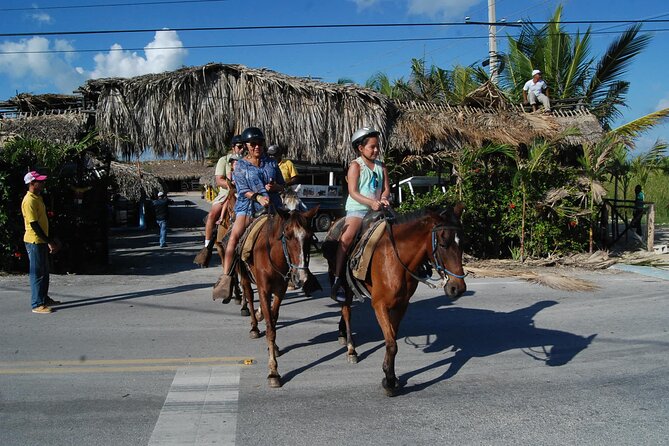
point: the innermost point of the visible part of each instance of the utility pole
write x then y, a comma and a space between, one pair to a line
492, 42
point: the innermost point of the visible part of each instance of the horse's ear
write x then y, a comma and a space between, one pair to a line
458, 209
311, 212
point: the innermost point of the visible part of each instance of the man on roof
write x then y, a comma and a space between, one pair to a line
536, 89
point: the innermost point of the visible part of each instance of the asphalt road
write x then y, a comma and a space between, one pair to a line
509, 363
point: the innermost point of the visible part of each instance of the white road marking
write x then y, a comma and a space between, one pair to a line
200, 408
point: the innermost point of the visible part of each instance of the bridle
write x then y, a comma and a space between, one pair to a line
434, 259
438, 263
292, 268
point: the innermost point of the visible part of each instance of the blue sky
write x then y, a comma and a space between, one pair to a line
62, 72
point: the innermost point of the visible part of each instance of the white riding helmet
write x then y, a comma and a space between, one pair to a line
361, 134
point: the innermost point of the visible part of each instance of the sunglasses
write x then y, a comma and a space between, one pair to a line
239, 146
375, 180
255, 143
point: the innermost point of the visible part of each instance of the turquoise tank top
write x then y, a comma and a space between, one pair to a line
370, 184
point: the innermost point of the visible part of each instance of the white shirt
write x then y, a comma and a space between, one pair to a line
537, 88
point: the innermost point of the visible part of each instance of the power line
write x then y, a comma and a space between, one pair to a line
282, 44
110, 5
330, 26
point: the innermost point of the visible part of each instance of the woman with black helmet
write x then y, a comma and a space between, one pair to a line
259, 181
368, 189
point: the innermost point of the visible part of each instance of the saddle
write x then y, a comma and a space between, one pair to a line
373, 226
248, 239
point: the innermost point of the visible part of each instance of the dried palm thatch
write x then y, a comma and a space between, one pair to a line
63, 128
187, 111
422, 128
30, 103
548, 279
132, 183
170, 170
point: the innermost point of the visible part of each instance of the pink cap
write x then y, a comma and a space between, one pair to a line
33, 176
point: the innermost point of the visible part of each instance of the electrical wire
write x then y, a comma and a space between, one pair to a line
283, 44
109, 5
328, 26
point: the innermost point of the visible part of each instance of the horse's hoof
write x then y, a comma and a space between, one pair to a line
342, 340
254, 333
245, 312
352, 359
274, 381
391, 390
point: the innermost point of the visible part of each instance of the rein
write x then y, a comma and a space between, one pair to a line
291, 266
436, 264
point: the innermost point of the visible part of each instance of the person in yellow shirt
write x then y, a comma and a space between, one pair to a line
38, 242
288, 170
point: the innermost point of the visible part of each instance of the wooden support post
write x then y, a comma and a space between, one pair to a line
650, 220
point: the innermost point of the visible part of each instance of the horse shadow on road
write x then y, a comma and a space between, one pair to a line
434, 326
475, 333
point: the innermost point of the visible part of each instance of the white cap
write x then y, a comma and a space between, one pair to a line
161, 194
534, 72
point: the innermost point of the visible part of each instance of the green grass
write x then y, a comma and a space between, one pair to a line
656, 190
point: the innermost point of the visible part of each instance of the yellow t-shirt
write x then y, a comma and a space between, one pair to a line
287, 169
33, 209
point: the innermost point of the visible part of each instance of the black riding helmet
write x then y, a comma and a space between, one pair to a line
251, 133
274, 150
237, 139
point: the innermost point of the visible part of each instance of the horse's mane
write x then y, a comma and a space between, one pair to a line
430, 211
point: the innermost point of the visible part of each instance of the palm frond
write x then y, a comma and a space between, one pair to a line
628, 132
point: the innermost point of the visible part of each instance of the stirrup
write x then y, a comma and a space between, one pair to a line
337, 291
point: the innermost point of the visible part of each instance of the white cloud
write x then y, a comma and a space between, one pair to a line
664, 103
362, 4
446, 9
33, 69
41, 17
30, 69
164, 53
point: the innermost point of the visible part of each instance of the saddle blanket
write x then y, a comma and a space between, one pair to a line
362, 253
250, 236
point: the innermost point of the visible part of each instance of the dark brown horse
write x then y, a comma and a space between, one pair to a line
408, 247
281, 252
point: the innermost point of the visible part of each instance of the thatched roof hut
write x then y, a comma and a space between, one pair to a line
177, 170
58, 127
188, 111
185, 112
133, 183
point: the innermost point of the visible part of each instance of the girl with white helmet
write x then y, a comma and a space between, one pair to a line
368, 189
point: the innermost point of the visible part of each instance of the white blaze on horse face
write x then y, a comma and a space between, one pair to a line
457, 239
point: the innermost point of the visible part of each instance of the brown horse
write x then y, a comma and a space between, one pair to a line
410, 245
281, 252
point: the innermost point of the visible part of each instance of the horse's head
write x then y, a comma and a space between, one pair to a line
447, 250
297, 236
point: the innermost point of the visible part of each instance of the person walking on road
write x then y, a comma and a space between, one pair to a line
161, 208
38, 242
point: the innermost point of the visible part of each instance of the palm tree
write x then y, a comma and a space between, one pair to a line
568, 68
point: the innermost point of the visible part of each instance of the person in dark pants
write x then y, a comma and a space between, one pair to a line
639, 198
161, 208
38, 242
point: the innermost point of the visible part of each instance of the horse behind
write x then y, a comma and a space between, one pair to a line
408, 246
281, 252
